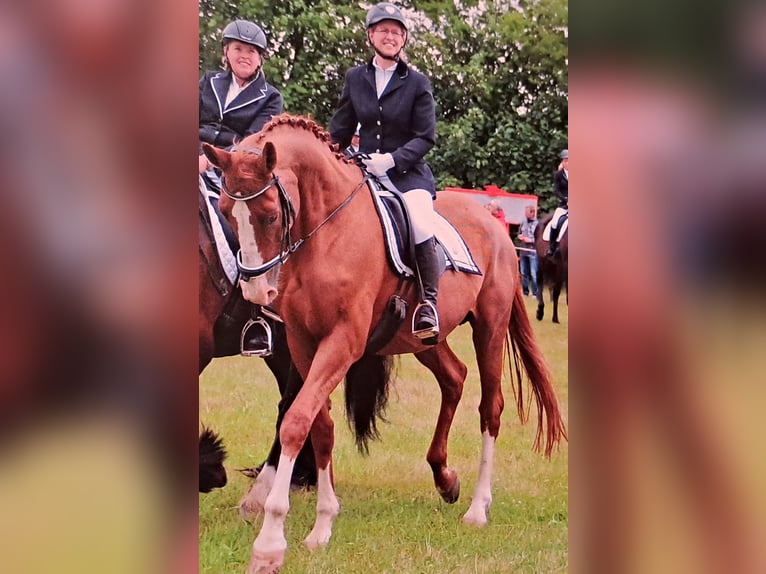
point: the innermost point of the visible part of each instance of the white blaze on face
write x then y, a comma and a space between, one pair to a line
251, 256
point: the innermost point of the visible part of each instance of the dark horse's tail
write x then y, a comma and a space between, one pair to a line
367, 396
524, 347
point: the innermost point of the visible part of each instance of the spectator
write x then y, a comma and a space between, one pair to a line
527, 254
497, 212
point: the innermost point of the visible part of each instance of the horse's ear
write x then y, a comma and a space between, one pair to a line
218, 157
270, 156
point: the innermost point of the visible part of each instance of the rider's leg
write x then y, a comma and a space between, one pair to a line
556, 226
425, 322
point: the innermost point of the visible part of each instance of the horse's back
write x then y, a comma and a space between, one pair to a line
487, 240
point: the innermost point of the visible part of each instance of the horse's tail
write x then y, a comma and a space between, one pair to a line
367, 396
524, 347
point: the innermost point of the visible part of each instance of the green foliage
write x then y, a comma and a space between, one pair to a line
499, 76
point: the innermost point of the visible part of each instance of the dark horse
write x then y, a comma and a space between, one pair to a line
222, 314
551, 270
297, 203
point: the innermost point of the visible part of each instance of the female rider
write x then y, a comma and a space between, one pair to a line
232, 105
394, 107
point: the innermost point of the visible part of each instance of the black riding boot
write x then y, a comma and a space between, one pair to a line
425, 321
553, 243
256, 338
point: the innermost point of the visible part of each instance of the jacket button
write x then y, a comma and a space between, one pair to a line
377, 150
378, 136
378, 122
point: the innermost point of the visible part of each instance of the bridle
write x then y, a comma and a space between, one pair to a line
288, 218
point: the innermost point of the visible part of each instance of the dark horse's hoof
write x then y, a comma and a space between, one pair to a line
540, 312
450, 496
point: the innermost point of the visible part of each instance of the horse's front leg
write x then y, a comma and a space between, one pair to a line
328, 367
323, 439
270, 546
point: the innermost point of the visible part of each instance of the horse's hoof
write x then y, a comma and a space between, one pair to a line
249, 509
266, 563
555, 319
475, 517
253, 502
451, 495
539, 315
317, 540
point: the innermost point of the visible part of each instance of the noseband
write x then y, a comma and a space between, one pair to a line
288, 218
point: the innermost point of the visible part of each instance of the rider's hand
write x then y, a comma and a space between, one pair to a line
379, 163
204, 164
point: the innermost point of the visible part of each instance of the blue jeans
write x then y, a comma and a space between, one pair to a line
528, 262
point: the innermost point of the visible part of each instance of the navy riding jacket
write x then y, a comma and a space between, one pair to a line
246, 114
402, 122
561, 188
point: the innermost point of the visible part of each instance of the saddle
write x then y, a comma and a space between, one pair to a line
217, 245
562, 224
400, 251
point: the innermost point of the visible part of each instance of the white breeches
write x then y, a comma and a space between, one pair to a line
421, 208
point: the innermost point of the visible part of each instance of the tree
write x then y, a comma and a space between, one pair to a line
498, 74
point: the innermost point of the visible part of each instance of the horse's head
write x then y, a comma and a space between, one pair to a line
257, 205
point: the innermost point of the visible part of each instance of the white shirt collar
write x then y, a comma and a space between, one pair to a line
382, 76
235, 89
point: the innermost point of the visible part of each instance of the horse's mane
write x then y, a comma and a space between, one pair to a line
305, 123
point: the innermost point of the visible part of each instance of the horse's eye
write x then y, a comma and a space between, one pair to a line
268, 219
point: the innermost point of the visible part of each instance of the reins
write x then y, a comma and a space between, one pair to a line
288, 215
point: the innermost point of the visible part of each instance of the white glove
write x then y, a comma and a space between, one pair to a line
379, 163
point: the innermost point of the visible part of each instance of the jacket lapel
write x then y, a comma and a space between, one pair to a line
255, 91
220, 84
397, 80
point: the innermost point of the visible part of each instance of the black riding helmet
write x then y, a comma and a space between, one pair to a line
385, 11
244, 31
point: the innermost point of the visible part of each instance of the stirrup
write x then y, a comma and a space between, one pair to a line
429, 336
263, 352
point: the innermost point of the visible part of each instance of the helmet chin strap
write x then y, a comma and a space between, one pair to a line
394, 58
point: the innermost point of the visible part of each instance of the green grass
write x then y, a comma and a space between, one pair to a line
392, 519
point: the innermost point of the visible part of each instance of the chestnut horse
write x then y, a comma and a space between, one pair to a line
552, 270
299, 207
219, 337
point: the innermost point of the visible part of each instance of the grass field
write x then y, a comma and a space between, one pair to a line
392, 519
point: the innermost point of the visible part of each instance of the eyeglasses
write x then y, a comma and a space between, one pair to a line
386, 31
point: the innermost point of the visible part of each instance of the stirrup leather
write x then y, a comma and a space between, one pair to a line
269, 339
425, 333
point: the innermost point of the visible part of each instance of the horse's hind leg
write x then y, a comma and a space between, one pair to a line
450, 373
540, 288
555, 294
489, 341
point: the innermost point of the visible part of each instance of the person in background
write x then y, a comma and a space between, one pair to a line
353, 149
561, 190
497, 212
527, 254
394, 107
235, 103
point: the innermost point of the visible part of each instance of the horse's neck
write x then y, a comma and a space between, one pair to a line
324, 184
